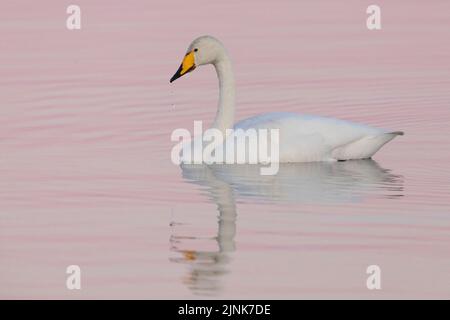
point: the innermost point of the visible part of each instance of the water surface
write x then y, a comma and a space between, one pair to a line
86, 177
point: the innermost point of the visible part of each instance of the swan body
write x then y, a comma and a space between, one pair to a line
302, 138
306, 138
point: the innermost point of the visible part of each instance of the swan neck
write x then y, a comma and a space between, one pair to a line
225, 112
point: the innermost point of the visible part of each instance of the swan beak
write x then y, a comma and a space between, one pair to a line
186, 66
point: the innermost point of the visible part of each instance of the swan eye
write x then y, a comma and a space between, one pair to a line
196, 49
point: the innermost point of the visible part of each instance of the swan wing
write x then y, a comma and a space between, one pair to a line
305, 138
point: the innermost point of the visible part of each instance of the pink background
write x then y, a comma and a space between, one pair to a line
86, 177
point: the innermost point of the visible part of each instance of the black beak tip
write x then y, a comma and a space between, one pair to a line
176, 75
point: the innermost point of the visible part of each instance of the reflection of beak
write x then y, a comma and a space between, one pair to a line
190, 255
186, 66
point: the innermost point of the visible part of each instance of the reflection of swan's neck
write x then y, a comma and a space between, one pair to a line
225, 112
223, 195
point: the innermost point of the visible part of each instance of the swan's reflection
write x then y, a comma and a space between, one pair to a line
320, 183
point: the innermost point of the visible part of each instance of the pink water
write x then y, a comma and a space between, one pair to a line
86, 177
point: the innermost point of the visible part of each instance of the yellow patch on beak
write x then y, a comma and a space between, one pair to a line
187, 65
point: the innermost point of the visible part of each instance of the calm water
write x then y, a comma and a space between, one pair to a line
86, 177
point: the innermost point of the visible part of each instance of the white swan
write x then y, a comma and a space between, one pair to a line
303, 138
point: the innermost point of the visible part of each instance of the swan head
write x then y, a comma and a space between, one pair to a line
203, 50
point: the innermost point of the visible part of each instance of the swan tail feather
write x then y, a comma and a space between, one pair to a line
365, 147
397, 133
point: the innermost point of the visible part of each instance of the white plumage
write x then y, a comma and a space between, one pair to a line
302, 138
306, 138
